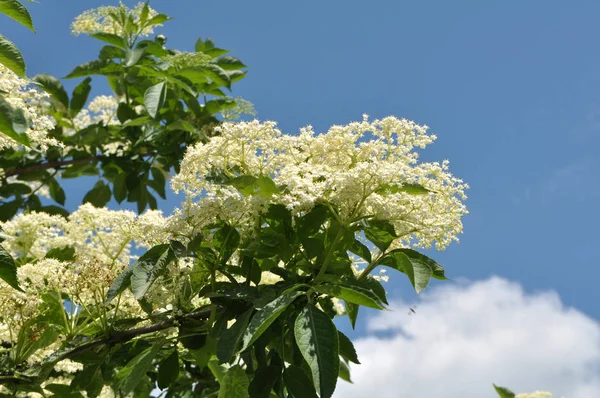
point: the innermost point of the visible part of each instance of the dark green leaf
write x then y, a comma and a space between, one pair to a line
418, 271
97, 67
381, 234
99, 196
347, 350
352, 311
217, 75
266, 377
17, 11
56, 192
89, 379
298, 383
317, 339
412, 189
14, 189
54, 87
8, 210
361, 250
352, 293
62, 390
159, 178
62, 253
120, 187
54, 210
415, 256
123, 281
504, 392
8, 269
154, 98
80, 96
266, 316
11, 57
235, 383
149, 267
226, 240
230, 339
168, 370
12, 121
229, 63
111, 39
135, 370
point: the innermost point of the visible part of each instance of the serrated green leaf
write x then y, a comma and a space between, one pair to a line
57, 192
419, 273
99, 196
381, 233
317, 339
230, 339
235, 384
80, 96
298, 383
54, 87
148, 268
61, 253
355, 294
11, 57
8, 269
266, 316
111, 38
504, 392
347, 350
168, 370
17, 11
131, 374
229, 63
352, 312
154, 98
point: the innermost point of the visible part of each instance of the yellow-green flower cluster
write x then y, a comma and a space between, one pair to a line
20, 95
99, 20
364, 169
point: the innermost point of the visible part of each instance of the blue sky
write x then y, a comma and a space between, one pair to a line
511, 88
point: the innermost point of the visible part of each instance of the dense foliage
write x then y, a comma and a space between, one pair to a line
235, 292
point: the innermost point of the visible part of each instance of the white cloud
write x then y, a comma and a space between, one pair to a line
465, 337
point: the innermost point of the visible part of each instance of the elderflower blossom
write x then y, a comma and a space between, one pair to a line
19, 95
537, 394
99, 20
102, 109
364, 169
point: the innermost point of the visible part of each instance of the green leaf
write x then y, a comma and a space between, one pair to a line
99, 196
298, 383
504, 392
411, 189
415, 256
149, 267
266, 377
347, 350
352, 293
120, 187
317, 339
132, 374
97, 67
122, 282
11, 57
344, 372
158, 19
80, 96
230, 339
266, 186
8, 269
229, 63
245, 184
8, 210
17, 11
361, 250
56, 192
217, 75
15, 189
61, 253
133, 56
168, 370
154, 98
226, 240
235, 384
380, 233
111, 39
159, 181
415, 265
13, 122
352, 311
266, 316
54, 87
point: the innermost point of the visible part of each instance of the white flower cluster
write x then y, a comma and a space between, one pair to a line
102, 242
99, 20
364, 169
537, 394
20, 95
